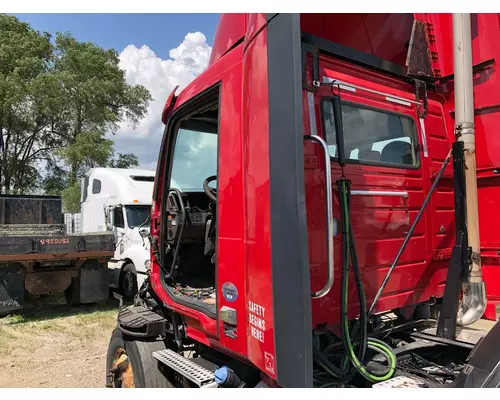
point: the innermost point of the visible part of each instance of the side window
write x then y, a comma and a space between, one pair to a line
372, 136
118, 220
85, 188
96, 186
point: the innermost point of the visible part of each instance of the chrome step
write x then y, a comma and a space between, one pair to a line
184, 366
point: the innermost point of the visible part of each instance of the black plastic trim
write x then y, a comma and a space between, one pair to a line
356, 57
289, 250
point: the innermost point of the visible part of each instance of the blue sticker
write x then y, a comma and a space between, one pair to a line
229, 292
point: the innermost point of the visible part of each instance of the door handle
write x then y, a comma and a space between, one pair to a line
329, 215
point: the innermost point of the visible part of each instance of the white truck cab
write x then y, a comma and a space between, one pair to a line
119, 200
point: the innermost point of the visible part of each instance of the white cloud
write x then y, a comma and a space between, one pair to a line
142, 66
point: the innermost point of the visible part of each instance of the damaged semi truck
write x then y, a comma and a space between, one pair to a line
340, 224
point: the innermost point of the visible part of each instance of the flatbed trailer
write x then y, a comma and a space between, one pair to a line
38, 257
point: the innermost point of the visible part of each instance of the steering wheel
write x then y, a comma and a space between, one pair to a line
211, 193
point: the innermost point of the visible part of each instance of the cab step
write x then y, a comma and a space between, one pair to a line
187, 368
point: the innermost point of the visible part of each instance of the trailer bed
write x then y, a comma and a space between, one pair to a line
44, 247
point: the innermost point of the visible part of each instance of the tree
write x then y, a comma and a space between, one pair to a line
24, 58
127, 160
58, 105
96, 99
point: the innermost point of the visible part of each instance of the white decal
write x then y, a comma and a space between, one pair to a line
256, 317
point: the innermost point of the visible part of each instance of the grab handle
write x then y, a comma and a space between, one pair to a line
329, 215
378, 193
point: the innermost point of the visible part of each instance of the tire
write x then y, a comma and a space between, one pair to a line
146, 372
128, 282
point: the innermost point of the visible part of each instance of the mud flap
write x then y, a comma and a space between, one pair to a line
94, 283
11, 289
139, 321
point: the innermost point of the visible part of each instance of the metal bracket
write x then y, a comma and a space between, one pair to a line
474, 255
482, 66
421, 95
306, 49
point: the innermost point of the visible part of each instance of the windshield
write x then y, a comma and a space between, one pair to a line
137, 216
195, 159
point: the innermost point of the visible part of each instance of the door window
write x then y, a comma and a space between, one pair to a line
195, 157
118, 218
372, 136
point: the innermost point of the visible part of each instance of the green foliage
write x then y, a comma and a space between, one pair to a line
71, 198
88, 150
24, 57
58, 105
127, 160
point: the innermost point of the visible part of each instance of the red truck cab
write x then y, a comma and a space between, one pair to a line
252, 274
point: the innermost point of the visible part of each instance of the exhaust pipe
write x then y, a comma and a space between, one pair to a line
473, 302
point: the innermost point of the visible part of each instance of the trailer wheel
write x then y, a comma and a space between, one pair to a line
130, 363
128, 282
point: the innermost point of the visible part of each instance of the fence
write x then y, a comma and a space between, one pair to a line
73, 223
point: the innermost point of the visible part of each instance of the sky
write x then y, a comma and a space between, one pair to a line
158, 51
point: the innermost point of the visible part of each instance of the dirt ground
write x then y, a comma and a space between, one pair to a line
53, 345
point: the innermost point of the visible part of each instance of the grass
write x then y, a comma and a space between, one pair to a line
59, 322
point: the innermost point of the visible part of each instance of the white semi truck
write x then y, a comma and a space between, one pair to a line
119, 200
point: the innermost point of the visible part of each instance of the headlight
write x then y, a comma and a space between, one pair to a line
147, 264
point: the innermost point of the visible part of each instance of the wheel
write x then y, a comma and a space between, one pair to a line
130, 364
128, 282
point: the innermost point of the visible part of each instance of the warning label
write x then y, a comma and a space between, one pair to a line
269, 358
256, 317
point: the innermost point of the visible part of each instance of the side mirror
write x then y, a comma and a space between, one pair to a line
107, 218
144, 233
339, 128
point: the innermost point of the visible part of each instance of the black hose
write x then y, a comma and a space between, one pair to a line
363, 321
346, 252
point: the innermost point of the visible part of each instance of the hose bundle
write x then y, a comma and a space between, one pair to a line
357, 342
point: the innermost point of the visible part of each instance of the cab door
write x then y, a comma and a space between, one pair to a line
383, 149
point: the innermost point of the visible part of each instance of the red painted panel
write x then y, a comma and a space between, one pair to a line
230, 219
485, 29
230, 29
379, 223
382, 35
257, 239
